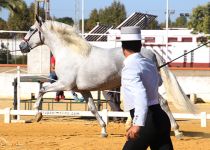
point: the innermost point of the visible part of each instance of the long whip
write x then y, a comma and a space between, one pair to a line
184, 54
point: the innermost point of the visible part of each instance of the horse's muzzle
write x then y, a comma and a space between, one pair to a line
24, 47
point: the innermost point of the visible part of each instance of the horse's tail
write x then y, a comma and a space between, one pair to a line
174, 91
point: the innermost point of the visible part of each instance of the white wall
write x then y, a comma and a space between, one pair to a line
190, 84
38, 61
198, 85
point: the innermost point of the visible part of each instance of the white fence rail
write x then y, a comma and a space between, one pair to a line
7, 112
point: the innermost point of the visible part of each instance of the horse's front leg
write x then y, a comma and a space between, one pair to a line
37, 105
93, 109
174, 125
56, 86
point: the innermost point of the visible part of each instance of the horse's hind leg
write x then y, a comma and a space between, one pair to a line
174, 125
93, 109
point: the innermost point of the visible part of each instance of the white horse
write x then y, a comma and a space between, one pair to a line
82, 67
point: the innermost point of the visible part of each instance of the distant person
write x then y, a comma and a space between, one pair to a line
113, 98
53, 77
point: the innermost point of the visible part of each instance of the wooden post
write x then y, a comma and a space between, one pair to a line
15, 97
193, 98
99, 100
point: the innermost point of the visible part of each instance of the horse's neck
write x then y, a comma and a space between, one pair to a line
53, 42
66, 42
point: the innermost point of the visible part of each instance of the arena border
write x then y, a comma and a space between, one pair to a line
105, 114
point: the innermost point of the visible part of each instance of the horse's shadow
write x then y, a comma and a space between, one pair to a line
195, 134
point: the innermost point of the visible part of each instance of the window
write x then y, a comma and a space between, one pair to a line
201, 39
186, 39
149, 39
172, 39
117, 37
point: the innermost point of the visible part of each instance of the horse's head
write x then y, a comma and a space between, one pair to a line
34, 37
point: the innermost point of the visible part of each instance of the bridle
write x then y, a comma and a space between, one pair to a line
28, 39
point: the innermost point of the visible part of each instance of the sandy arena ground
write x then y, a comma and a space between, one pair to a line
68, 133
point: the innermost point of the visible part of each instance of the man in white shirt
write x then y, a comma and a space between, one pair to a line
140, 82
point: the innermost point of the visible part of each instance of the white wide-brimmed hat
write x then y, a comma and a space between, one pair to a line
130, 33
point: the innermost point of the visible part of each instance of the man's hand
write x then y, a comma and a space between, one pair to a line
133, 133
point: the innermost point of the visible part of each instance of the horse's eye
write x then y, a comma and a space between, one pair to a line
31, 29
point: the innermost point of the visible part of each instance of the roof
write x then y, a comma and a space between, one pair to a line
137, 19
98, 29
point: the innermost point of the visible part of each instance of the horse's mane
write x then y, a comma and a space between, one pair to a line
69, 37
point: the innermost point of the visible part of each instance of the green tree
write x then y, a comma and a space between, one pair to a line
21, 20
200, 19
11, 5
181, 22
21, 59
66, 20
206, 22
32, 13
92, 21
5, 56
153, 25
112, 15
3, 26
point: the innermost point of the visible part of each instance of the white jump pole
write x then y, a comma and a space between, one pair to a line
83, 18
7, 115
203, 117
167, 17
18, 91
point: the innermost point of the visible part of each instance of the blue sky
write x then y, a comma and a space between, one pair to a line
62, 8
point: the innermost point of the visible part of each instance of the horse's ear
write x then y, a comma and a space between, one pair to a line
39, 20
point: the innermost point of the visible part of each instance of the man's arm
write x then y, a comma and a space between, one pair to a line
135, 88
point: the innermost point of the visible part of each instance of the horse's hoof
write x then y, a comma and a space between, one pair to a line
179, 136
38, 117
104, 135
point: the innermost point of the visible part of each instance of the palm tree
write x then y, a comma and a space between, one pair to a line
11, 5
